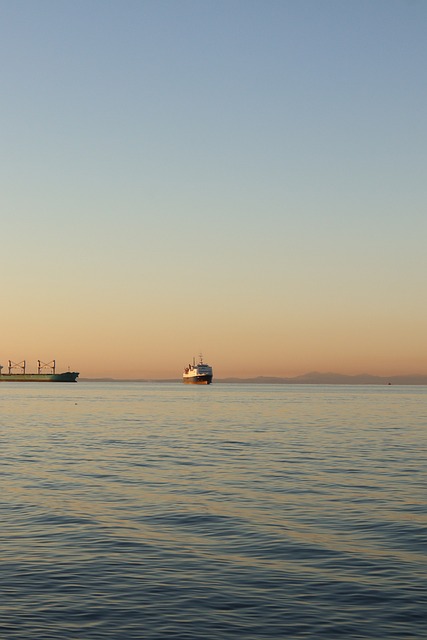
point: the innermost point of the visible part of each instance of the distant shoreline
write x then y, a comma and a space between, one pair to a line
308, 378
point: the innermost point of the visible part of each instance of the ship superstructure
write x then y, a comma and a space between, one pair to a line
200, 373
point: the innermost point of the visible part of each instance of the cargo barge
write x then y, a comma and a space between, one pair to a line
46, 372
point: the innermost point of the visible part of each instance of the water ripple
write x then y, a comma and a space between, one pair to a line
157, 511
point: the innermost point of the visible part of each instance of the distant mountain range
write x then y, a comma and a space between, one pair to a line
334, 378
308, 378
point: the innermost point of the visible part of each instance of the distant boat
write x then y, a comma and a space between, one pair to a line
45, 373
200, 373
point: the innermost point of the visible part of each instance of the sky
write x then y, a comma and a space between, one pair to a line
245, 179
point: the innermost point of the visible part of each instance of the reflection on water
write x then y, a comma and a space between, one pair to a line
171, 511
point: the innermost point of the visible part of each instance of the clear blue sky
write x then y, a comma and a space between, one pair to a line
246, 178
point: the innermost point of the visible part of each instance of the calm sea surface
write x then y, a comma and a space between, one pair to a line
167, 511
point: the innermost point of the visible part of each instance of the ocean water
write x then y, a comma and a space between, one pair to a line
167, 511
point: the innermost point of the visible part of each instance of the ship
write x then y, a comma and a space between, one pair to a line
46, 372
200, 373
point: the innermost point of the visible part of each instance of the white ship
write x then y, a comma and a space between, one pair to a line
200, 373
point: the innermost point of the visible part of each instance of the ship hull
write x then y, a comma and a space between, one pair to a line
204, 379
68, 376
